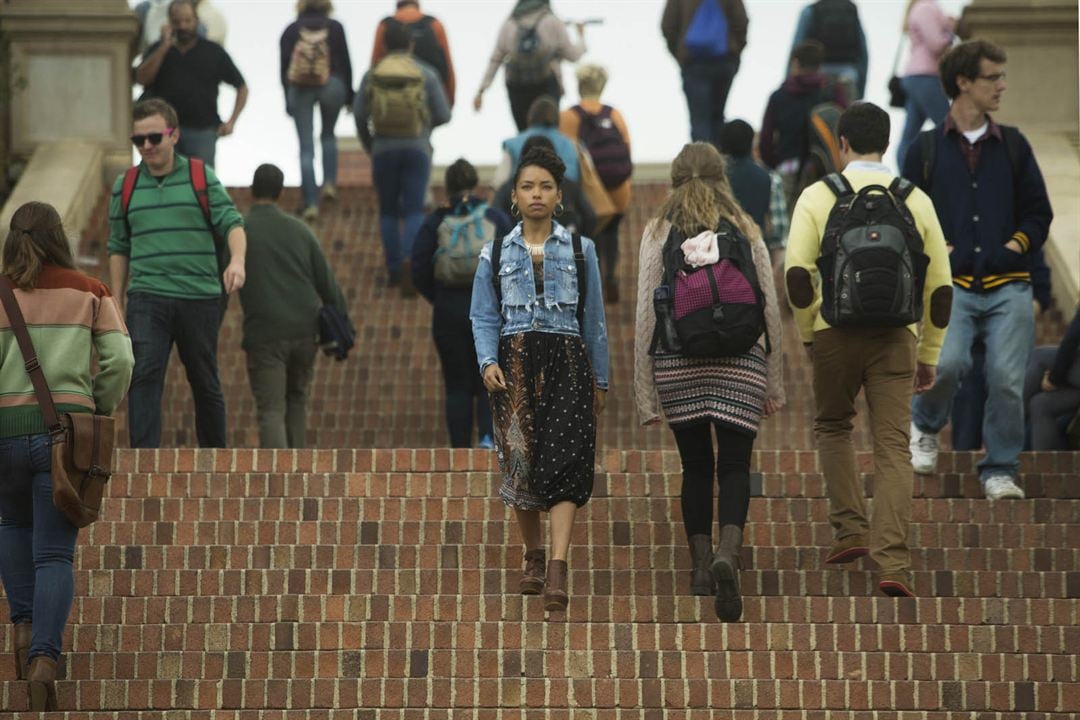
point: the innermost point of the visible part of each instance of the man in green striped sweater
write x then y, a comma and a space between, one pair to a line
164, 246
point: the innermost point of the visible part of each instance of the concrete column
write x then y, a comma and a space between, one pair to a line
70, 75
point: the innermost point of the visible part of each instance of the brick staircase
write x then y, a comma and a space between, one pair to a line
376, 581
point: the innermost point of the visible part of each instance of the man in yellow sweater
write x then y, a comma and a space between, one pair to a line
870, 349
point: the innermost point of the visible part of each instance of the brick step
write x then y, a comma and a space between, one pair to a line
1006, 617
478, 659
594, 534
658, 693
965, 641
448, 557
583, 582
577, 713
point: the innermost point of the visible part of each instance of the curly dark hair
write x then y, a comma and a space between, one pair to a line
543, 158
965, 59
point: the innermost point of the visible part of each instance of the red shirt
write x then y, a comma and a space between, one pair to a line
970, 149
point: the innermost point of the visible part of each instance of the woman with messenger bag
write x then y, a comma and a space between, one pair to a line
56, 438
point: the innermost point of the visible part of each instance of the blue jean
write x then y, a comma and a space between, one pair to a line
198, 142
925, 100
37, 543
1004, 321
301, 102
155, 323
706, 84
401, 179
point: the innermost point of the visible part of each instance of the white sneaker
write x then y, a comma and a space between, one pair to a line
924, 450
1001, 487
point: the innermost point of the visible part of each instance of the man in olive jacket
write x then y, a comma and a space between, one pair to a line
708, 64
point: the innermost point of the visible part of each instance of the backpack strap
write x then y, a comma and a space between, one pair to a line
131, 179
1010, 136
838, 184
928, 145
901, 188
496, 264
582, 280
197, 171
30, 361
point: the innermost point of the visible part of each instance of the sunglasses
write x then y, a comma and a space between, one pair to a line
154, 138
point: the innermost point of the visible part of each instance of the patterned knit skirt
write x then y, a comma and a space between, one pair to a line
730, 391
545, 428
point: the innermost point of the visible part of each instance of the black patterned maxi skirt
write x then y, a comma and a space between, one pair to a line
545, 427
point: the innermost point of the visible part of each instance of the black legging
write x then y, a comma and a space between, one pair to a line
522, 97
607, 247
732, 471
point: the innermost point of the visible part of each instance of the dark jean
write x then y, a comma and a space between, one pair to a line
401, 179
330, 97
925, 101
37, 543
280, 374
706, 84
731, 472
198, 142
522, 97
155, 323
464, 386
1049, 413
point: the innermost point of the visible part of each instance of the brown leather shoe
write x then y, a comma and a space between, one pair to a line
701, 555
847, 550
532, 581
21, 636
555, 596
896, 584
42, 685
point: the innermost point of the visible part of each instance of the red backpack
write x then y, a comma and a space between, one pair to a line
197, 169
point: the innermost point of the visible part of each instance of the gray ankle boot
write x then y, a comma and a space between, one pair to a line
725, 572
701, 582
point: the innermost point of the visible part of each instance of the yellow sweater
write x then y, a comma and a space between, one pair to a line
804, 247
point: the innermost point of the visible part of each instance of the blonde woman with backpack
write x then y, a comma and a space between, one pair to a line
531, 46
316, 69
699, 395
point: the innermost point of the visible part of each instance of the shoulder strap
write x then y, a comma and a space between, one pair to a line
131, 179
30, 361
1011, 137
928, 144
838, 184
582, 280
496, 264
901, 188
197, 168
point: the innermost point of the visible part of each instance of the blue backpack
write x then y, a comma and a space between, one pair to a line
707, 35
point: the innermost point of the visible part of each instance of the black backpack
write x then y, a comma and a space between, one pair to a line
872, 264
425, 46
835, 24
714, 310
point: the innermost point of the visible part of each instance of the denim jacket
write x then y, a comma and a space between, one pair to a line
520, 310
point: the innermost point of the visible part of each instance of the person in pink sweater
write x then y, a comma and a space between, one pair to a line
931, 33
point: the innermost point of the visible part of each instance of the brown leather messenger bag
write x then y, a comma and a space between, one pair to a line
82, 443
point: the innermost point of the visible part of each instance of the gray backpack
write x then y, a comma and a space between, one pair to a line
461, 238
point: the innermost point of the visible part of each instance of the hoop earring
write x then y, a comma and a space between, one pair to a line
514, 212
559, 210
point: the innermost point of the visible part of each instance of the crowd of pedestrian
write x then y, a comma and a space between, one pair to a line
913, 288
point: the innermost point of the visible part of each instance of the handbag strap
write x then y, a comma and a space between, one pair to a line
30, 361
899, 51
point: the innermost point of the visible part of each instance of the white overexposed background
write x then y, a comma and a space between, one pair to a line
644, 79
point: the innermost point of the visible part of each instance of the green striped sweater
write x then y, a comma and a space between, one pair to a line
70, 317
170, 249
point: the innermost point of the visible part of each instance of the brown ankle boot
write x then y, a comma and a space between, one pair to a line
555, 596
42, 679
20, 639
701, 582
532, 581
725, 571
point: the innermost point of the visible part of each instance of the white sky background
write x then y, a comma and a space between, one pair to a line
644, 83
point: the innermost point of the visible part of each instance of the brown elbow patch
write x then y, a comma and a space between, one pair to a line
941, 306
800, 287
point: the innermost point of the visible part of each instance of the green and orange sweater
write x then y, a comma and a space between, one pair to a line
70, 316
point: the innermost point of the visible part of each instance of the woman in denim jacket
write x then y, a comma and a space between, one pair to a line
547, 376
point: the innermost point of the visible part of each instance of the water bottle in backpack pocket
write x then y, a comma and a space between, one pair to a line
872, 263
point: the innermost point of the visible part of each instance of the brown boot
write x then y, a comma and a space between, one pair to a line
42, 679
20, 639
701, 582
725, 571
555, 596
532, 581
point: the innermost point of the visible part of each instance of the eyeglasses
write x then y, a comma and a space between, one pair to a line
993, 78
154, 138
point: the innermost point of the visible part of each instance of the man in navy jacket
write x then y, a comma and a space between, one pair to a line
992, 203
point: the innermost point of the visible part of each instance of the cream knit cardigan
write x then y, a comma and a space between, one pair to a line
650, 273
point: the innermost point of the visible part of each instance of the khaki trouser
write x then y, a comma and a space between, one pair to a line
881, 361
280, 374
